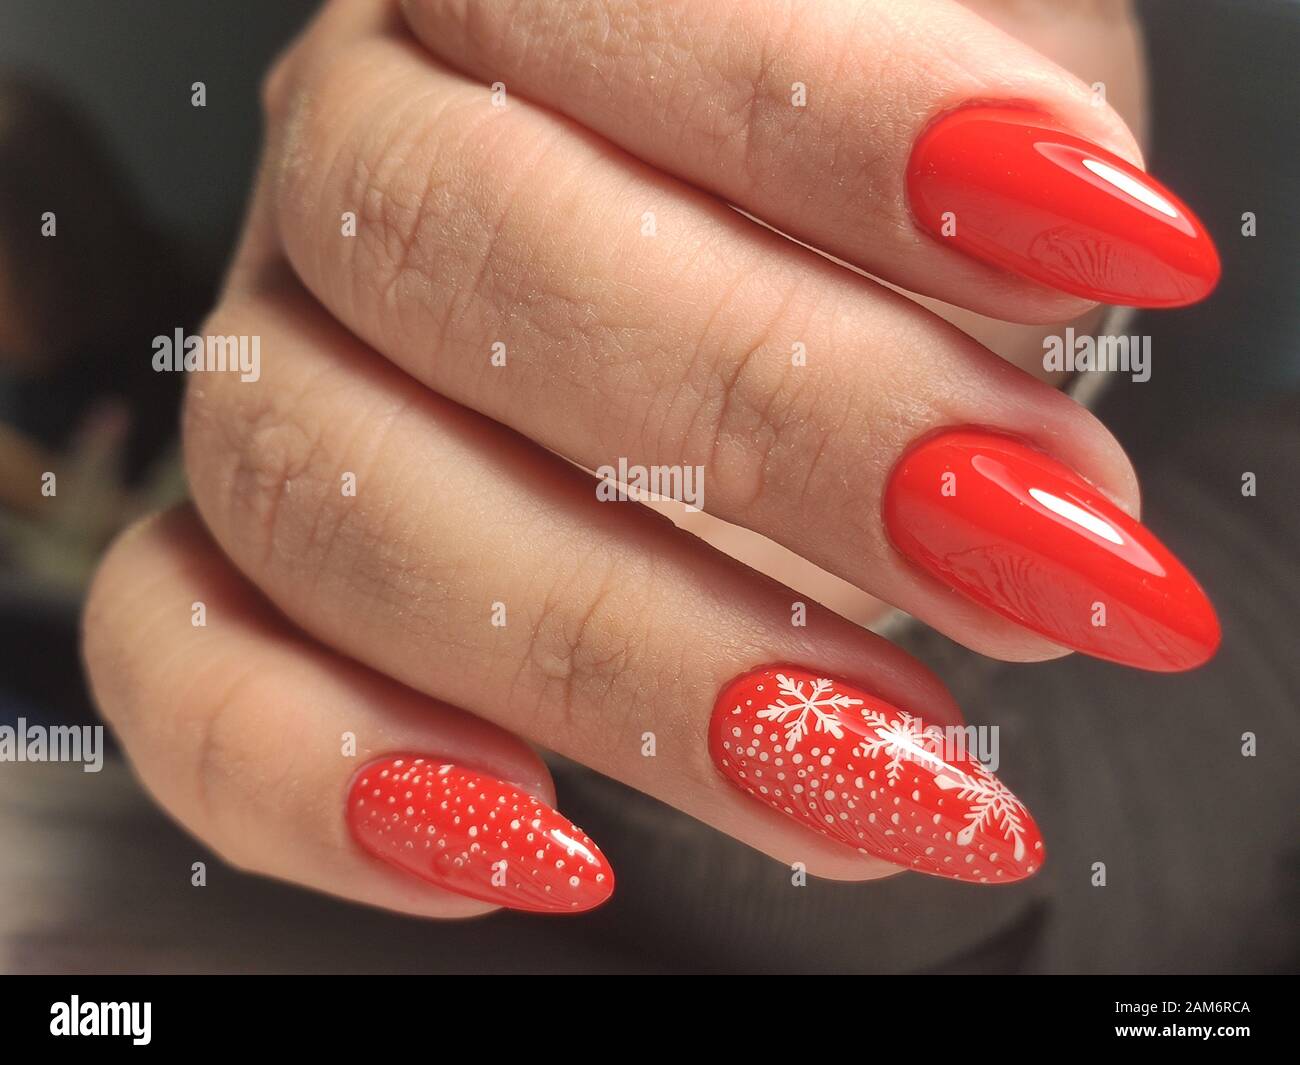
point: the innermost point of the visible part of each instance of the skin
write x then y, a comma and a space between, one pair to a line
370, 614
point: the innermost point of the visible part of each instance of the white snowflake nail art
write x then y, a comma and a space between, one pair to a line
871, 776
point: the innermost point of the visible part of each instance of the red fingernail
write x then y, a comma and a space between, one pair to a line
475, 835
864, 773
1007, 186
1024, 535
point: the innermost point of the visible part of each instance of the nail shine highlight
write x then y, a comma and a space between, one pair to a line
1008, 186
1024, 535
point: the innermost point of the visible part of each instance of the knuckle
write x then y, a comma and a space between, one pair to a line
756, 409
406, 207
439, 230
483, 28
332, 130
755, 115
275, 467
411, 175
255, 462
587, 645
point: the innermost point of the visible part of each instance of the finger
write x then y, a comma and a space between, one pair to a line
822, 119
451, 555
706, 343
249, 734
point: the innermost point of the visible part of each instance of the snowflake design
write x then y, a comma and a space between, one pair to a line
821, 703
991, 804
900, 740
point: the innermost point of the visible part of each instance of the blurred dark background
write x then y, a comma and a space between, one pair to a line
130, 64
81, 882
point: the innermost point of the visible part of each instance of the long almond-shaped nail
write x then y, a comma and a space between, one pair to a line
1024, 535
1007, 186
475, 835
848, 764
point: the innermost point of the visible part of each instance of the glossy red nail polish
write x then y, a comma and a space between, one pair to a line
1025, 535
1008, 186
841, 761
475, 835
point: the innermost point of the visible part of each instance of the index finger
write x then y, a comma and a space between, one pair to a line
916, 141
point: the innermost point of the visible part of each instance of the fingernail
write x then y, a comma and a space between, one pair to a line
475, 835
1026, 536
1007, 186
848, 764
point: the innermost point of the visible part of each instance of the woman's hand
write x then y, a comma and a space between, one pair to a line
457, 286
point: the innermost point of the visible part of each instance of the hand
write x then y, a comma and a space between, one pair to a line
455, 290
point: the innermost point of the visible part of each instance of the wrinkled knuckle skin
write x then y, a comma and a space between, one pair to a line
405, 211
752, 121
587, 647
250, 447
752, 413
439, 237
755, 409
365, 140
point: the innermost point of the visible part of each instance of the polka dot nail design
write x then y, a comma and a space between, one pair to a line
871, 776
475, 835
